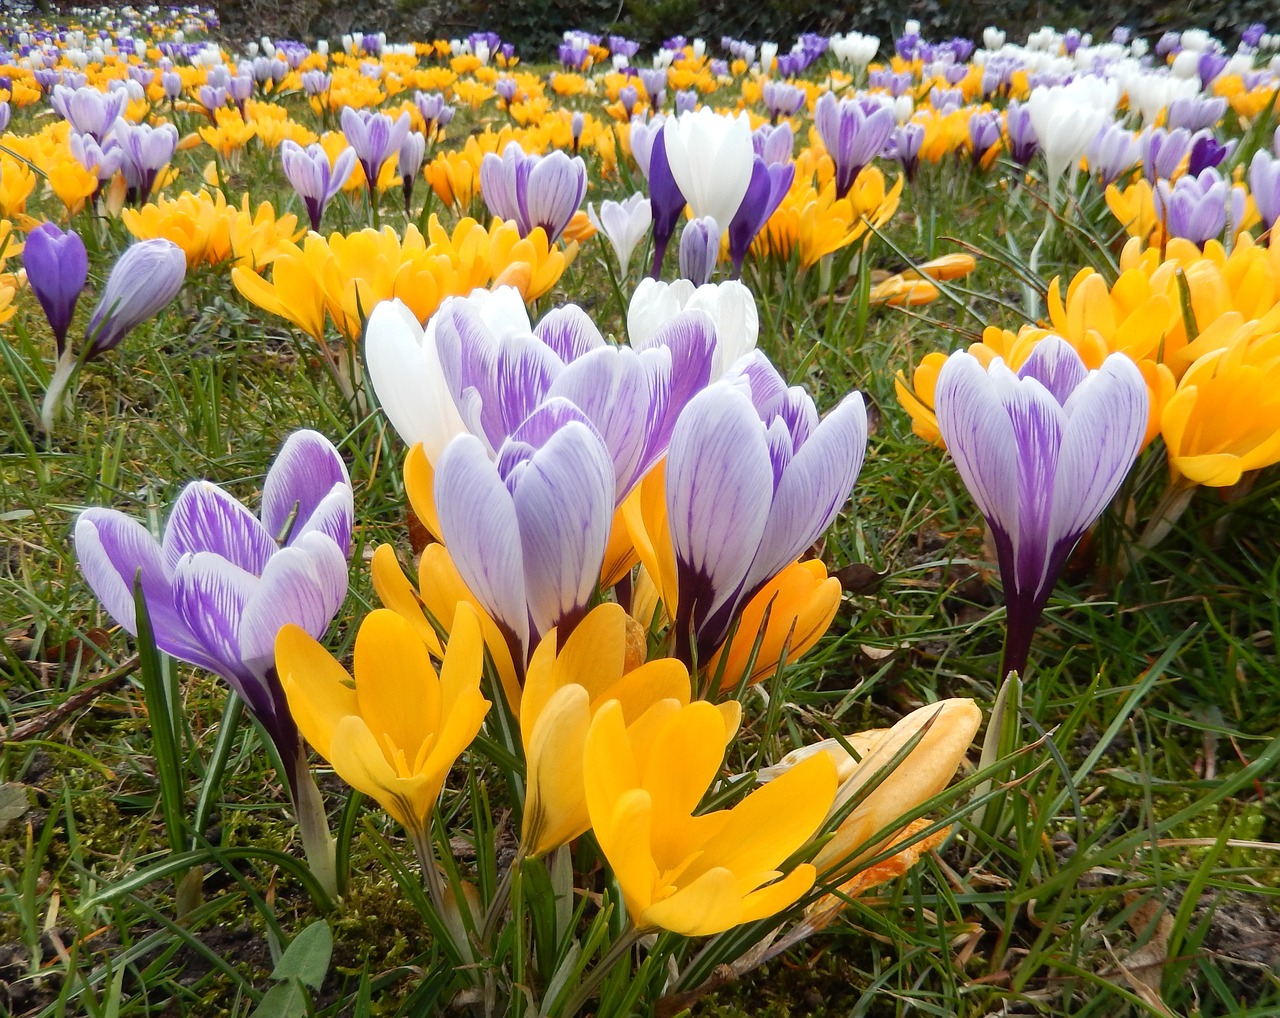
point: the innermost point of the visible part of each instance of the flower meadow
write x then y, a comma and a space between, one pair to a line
729, 529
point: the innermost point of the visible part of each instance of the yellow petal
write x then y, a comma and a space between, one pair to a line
316, 686
396, 592
396, 685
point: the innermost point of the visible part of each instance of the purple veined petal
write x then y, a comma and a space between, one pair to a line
1106, 421
305, 584
1038, 423
536, 430
1055, 364
689, 341
479, 525
497, 186
209, 594
719, 482
813, 487
767, 388
564, 508
111, 548
304, 474
525, 370
408, 377
334, 516
611, 388
570, 332
340, 172
554, 190
206, 518
980, 438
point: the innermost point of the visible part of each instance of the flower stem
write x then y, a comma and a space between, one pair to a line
313, 827
618, 950
53, 397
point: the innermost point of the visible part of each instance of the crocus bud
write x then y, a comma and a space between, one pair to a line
57, 267
699, 249
172, 83
143, 280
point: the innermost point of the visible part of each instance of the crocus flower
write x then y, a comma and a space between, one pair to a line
1264, 185
143, 280
314, 179
88, 110
769, 185
711, 157
412, 153
564, 689
222, 582
146, 151
375, 137
699, 250
1042, 452
528, 532
1198, 208
730, 304
700, 875
57, 267
851, 134
1023, 141
533, 191
753, 479
1112, 153
648, 146
396, 728
623, 225
1066, 119
1162, 151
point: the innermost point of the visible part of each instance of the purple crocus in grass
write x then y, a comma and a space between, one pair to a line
649, 148
782, 99
1112, 153
528, 532
1042, 452
221, 583
412, 152
313, 178
1198, 208
375, 137
1162, 151
146, 150
533, 190
753, 479
769, 185
1023, 142
984, 132
852, 135
88, 110
57, 267
904, 145
143, 280
1207, 151
5, 113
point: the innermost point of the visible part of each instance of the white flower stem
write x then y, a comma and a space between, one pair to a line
313, 827
53, 397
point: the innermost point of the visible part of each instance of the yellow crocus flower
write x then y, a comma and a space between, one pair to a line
295, 292
696, 875
71, 184
396, 730
564, 689
17, 181
801, 602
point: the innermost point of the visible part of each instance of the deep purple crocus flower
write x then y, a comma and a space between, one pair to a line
984, 132
769, 185
1042, 452
221, 583
143, 280
1206, 151
57, 267
753, 479
312, 177
852, 135
649, 147
375, 137
533, 191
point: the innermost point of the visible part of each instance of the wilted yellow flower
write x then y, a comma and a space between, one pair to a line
926, 771
801, 602
393, 732
564, 688
702, 874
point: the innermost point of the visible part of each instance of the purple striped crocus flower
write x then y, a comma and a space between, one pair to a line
88, 110
143, 280
376, 138
146, 150
753, 479
528, 532
852, 135
222, 582
1042, 452
699, 250
533, 190
313, 178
